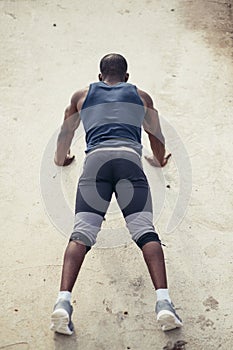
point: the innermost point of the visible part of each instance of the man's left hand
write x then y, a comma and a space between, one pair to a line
154, 162
68, 160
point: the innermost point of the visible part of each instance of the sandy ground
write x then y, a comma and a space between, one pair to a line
181, 53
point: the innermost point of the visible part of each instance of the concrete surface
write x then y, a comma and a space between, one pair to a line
181, 53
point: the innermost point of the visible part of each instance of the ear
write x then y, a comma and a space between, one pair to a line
126, 77
100, 77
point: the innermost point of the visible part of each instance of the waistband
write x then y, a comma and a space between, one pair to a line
114, 149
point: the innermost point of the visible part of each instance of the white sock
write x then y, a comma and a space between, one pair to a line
64, 295
163, 294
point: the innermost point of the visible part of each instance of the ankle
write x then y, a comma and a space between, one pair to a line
163, 294
64, 295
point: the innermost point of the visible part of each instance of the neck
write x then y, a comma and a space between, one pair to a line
112, 80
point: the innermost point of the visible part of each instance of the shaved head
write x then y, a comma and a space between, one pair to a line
113, 64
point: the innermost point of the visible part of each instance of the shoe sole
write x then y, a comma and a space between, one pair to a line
60, 322
168, 321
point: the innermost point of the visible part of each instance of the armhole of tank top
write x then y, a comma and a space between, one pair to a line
88, 93
136, 90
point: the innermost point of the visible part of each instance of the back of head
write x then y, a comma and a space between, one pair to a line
114, 65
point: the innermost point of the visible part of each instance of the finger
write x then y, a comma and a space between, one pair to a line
166, 160
168, 156
68, 161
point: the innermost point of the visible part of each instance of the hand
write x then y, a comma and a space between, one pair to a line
68, 160
154, 161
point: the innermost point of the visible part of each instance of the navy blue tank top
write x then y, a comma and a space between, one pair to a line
112, 116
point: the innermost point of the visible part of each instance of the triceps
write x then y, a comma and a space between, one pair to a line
71, 122
152, 126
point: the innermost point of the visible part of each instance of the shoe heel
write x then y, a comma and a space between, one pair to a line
168, 321
60, 322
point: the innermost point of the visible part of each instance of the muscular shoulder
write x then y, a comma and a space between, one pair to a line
78, 98
147, 100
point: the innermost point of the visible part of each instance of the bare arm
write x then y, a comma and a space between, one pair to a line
70, 124
152, 127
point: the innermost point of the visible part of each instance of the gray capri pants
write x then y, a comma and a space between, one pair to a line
113, 170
